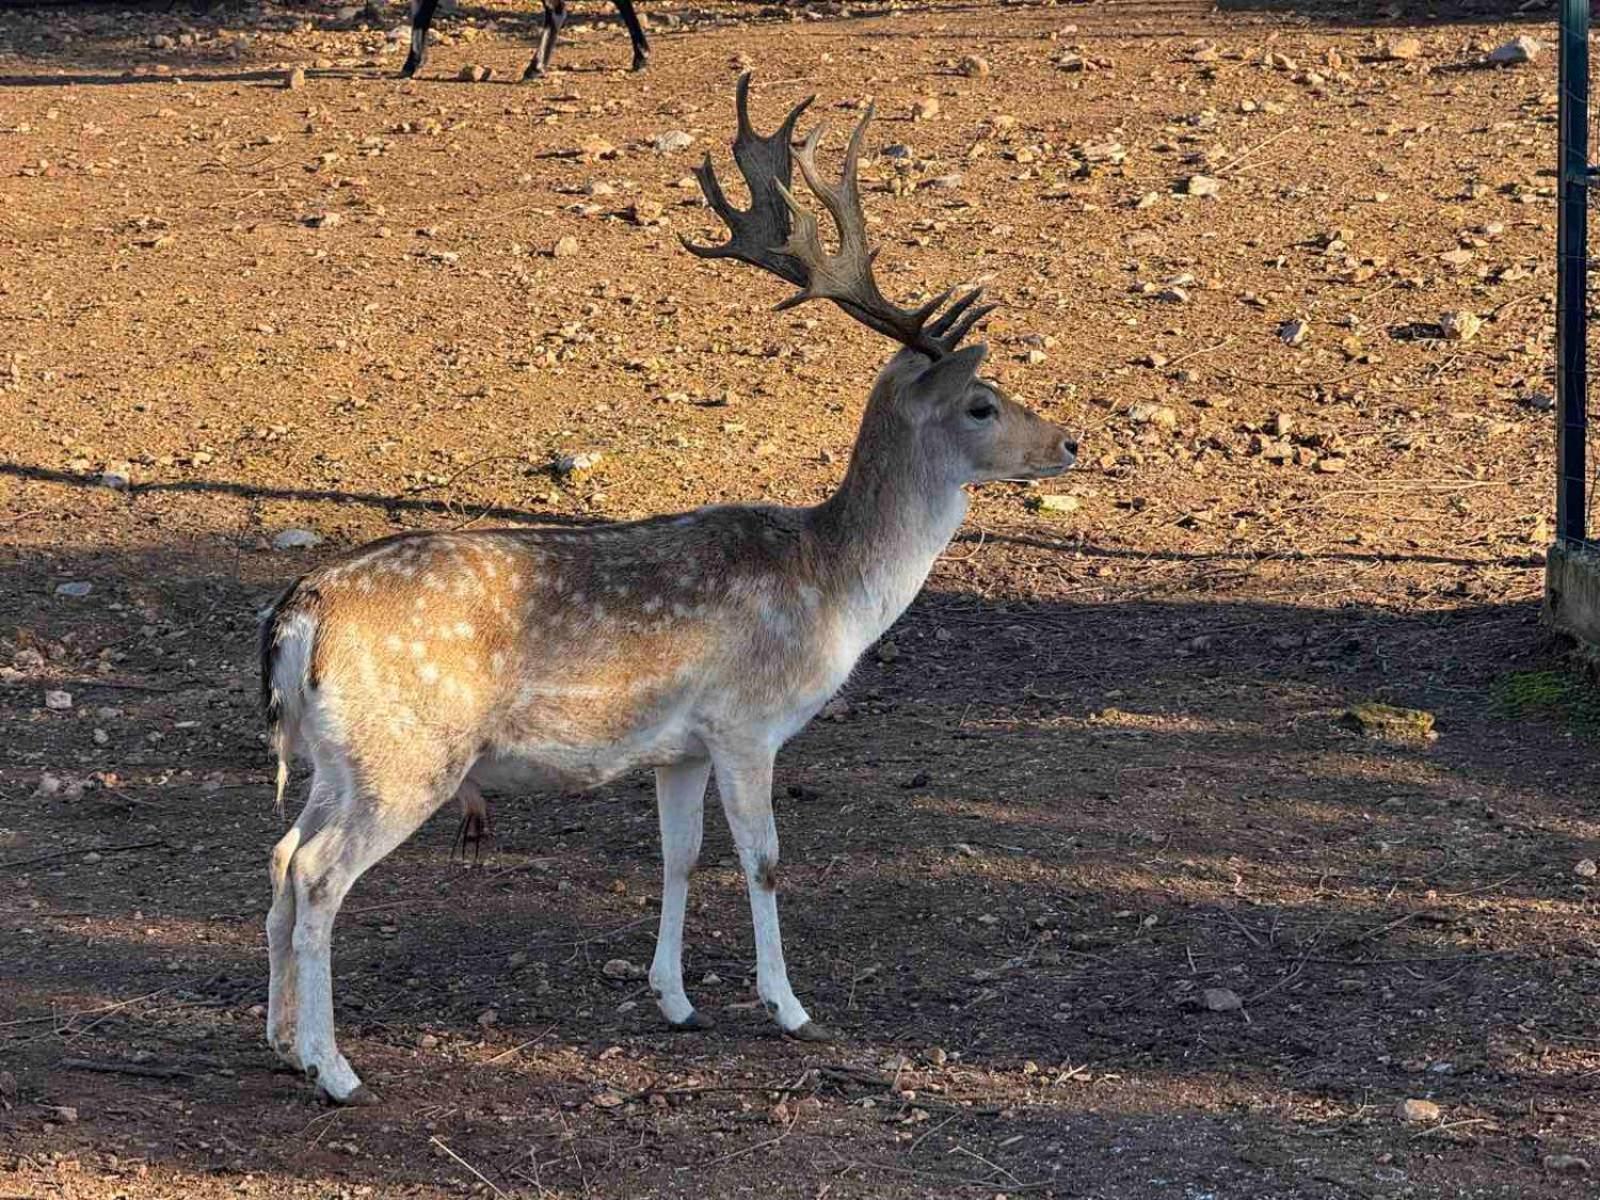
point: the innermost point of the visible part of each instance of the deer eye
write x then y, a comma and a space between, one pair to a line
983, 410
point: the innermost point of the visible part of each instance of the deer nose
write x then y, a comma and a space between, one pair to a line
1069, 450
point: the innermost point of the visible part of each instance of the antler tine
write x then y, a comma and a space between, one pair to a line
757, 233
957, 321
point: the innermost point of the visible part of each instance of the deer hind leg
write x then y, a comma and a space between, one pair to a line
368, 819
745, 782
282, 986
555, 16
421, 18
680, 803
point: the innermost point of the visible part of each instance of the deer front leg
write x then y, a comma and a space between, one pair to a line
555, 16
680, 801
745, 782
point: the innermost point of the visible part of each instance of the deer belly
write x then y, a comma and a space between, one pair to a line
552, 762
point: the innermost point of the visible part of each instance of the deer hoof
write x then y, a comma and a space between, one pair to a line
811, 1032
362, 1097
695, 1022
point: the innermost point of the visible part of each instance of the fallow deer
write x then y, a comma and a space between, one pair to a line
555, 16
428, 665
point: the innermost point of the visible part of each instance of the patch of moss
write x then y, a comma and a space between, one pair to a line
1388, 721
1561, 695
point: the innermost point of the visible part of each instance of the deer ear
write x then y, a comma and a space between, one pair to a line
952, 373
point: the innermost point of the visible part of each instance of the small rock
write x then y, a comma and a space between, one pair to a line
65, 1113
621, 968
296, 539
76, 589
1147, 412
295, 79
973, 67
888, 652
1295, 332
1456, 258
8, 1089
1566, 1164
92, 857
645, 212
1586, 868
427, 1042
324, 220
1034, 357
475, 73
1221, 1000
608, 1099
1281, 424
1460, 326
779, 1114
1202, 185
117, 476
672, 141
1402, 49
899, 152
1330, 466
576, 464
566, 247
710, 979
1520, 49
925, 109
1416, 1112
57, 700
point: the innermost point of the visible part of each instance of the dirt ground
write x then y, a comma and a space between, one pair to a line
1102, 768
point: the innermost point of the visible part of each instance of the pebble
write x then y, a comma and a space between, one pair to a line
324, 220
1034, 357
645, 213
57, 700
925, 109
1202, 185
566, 247
1147, 412
1416, 1112
296, 539
1566, 1164
1460, 326
573, 464
427, 1041
117, 476
1586, 868
621, 968
295, 79
1295, 332
1059, 504
76, 589
1403, 49
92, 857
973, 67
1520, 49
1221, 1000
475, 73
674, 140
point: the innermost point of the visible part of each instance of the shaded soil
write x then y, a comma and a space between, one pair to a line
1102, 769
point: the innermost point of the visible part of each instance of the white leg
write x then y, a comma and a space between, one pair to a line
745, 782
363, 828
680, 801
282, 990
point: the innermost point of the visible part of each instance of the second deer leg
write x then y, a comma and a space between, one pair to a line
641, 47
680, 802
745, 783
367, 823
421, 19
555, 16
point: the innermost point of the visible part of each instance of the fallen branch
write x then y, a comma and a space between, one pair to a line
28, 862
116, 1068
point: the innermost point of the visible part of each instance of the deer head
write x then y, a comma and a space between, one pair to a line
930, 399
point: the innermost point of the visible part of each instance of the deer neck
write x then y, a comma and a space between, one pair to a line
893, 515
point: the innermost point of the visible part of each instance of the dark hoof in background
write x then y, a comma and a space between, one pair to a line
811, 1032
695, 1022
639, 63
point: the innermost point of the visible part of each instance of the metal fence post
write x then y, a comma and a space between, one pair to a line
1572, 238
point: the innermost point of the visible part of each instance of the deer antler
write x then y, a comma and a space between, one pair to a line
778, 236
